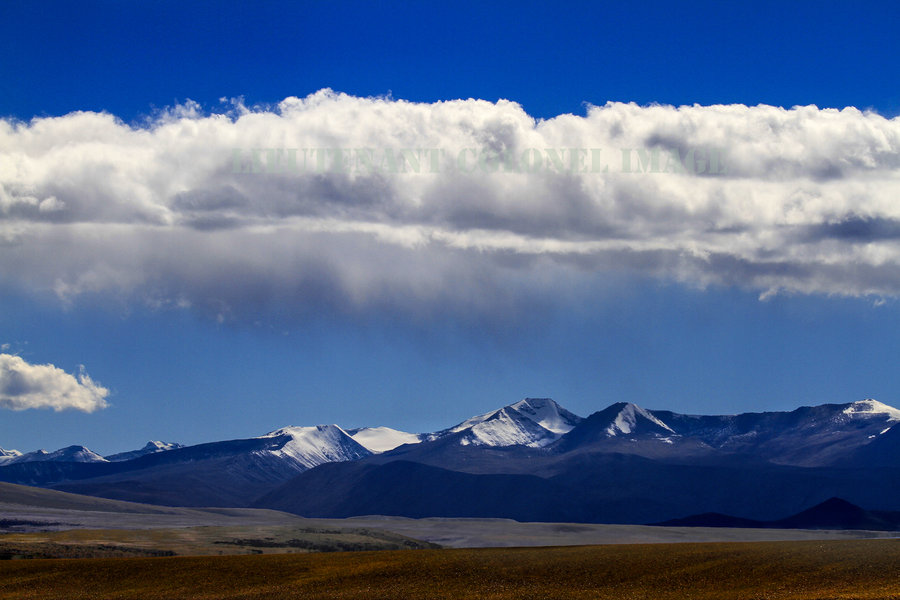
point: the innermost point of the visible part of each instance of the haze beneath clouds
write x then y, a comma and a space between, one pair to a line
156, 213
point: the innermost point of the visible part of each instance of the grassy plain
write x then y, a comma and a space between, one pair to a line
809, 570
192, 541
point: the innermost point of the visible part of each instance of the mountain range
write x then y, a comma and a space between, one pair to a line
532, 460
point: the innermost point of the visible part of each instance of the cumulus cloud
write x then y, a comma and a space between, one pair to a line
24, 386
358, 204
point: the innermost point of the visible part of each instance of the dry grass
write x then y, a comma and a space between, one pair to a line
865, 569
188, 541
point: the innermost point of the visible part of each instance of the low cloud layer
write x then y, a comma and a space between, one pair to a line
24, 386
369, 204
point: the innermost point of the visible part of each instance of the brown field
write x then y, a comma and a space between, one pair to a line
796, 570
194, 541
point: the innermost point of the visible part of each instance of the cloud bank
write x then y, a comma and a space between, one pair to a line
24, 386
348, 204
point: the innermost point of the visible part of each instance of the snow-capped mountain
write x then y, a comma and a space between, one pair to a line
807, 436
78, 454
225, 473
307, 447
626, 427
872, 409
382, 439
630, 419
151, 447
844, 449
8, 455
623, 464
533, 422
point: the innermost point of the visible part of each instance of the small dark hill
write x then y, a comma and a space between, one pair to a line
834, 513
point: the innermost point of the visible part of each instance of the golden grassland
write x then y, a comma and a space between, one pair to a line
864, 569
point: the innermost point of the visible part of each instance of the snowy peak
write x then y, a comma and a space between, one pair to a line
534, 422
507, 427
155, 446
151, 447
547, 413
382, 439
872, 408
618, 424
7, 456
75, 454
308, 447
69, 454
632, 419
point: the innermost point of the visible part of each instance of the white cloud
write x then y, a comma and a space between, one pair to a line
92, 206
24, 386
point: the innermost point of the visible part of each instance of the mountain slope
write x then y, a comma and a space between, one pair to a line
882, 451
415, 490
601, 488
307, 447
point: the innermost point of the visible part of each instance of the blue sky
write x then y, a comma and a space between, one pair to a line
419, 338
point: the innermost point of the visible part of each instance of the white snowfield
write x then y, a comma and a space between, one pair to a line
382, 439
869, 408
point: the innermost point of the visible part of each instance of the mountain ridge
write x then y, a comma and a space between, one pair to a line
540, 422
624, 463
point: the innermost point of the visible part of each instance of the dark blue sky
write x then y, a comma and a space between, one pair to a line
128, 57
180, 376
